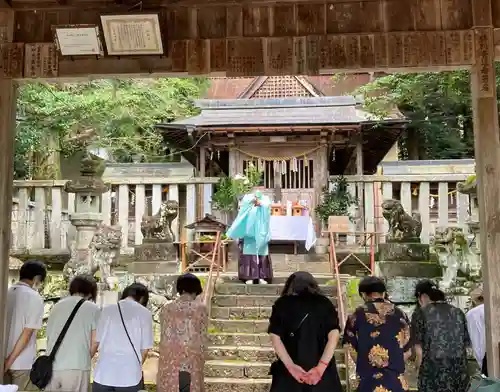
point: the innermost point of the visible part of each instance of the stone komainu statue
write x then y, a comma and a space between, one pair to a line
102, 254
159, 226
402, 226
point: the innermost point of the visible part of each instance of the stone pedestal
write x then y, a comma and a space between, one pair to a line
397, 251
402, 265
155, 257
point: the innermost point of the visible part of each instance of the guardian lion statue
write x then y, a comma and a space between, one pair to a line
159, 226
402, 226
452, 248
102, 254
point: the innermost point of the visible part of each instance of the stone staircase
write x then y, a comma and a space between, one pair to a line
240, 352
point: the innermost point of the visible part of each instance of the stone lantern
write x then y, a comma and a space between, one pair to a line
469, 187
87, 215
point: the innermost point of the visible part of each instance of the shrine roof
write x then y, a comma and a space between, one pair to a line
278, 111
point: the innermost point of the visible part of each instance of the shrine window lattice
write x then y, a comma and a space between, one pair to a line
297, 173
281, 87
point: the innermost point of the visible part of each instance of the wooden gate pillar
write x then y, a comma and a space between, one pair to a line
487, 153
7, 129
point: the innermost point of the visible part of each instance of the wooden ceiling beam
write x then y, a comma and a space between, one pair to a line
287, 38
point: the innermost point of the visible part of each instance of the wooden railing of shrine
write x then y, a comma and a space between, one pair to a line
434, 197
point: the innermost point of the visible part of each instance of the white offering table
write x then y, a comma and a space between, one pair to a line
293, 228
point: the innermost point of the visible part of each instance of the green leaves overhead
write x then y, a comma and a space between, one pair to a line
118, 115
438, 107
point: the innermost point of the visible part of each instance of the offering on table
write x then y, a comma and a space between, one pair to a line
297, 209
276, 209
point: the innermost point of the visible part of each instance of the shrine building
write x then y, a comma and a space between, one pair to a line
61, 40
297, 142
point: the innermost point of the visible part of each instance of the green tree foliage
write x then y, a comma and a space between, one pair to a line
116, 114
438, 107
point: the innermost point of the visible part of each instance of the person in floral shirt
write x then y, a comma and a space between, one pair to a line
377, 336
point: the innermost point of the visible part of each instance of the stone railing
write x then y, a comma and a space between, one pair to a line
41, 210
434, 197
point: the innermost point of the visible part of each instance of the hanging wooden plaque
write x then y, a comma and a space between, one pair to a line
6, 25
299, 53
198, 56
367, 52
12, 60
245, 57
279, 56
483, 43
41, 61
177, 52
218, 55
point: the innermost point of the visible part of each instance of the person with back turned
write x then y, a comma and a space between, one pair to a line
377, 336
183, 339
305, 330
439, 331
24, 318
477, 329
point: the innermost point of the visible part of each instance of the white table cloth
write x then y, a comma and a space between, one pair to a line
293, 228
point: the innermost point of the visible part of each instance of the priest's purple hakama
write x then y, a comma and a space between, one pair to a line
252, 228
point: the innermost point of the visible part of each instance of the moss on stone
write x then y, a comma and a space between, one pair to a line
352, 293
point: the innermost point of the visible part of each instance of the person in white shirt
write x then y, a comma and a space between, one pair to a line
124, 337
72, 364
24, 317
476, 327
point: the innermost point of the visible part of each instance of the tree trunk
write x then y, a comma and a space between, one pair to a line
412, 144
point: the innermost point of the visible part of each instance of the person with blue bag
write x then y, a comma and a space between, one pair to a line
252, 228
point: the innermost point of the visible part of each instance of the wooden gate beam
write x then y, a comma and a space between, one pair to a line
487, 148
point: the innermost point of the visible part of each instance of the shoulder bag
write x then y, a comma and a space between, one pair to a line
141, 384
41, 371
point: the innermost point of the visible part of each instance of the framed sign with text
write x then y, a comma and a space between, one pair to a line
78, 40
132, 34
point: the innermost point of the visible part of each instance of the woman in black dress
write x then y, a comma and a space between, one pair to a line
304, 329
439, 331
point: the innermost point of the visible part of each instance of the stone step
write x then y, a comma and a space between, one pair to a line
241, 369
281, 278
252, 354
241, 353
264, 289
235, 326
236, 369
249, 300
240, 339
213, 384
242, 312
